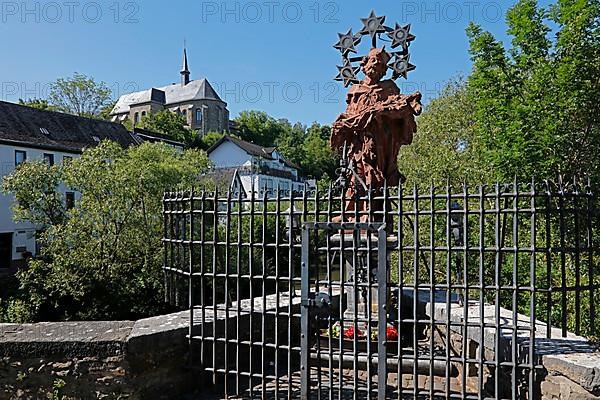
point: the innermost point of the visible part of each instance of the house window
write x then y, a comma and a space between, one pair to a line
49, 158
20, 157
69, 200
198, 115
6, 248
143, 114
136, 117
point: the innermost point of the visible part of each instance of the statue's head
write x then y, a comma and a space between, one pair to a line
375, 64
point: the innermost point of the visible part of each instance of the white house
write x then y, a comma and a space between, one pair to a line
30, 134
256, 167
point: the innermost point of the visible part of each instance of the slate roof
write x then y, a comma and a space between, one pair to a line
174, 94
30, 127
145, 135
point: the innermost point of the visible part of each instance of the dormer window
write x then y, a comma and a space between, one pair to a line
44, 131
96, 139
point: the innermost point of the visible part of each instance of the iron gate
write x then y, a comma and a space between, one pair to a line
449, 293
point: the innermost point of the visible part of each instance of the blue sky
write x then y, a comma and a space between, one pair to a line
275, 56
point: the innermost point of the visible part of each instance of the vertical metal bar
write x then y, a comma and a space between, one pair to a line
277, 288
251, 289
563, 258
449, 286
203, 220
548, 248
590, 256
226, 293
305, 319
432, 287
355, 269
166, 240
382, 312
191, 274
400, 287
345, 289
215, 311
497, 285
369, 289
291, 289
532, 294
515, 286
465, 277
415, 291
238, 296
481, 355
576, 215
330, 293
263, 245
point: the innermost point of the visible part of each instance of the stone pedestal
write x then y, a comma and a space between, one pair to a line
361, 260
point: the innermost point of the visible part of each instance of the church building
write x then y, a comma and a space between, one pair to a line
196, 100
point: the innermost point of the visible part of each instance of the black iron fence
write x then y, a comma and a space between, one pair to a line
452, 292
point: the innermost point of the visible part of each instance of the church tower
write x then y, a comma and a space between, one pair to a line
185, 71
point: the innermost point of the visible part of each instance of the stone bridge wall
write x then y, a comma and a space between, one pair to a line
146, 359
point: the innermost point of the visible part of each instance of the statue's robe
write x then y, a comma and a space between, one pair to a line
377, 122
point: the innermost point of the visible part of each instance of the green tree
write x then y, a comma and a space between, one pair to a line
40, 104
446, 146
319, 159
79, 95
106, 110
173, 125
210, 139
259, 128
36, 198
103, 260
536, 105
290, 142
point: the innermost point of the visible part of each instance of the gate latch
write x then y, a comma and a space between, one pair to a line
319, 303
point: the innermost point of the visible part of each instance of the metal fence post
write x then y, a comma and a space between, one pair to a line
382, 312
305, 315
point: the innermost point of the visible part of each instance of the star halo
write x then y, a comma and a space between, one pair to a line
373, 26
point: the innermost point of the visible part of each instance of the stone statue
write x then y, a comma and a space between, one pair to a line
377, 122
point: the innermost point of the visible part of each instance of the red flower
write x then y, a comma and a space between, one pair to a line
349, 333
391, 333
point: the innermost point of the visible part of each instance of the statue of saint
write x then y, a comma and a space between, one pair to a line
378, 121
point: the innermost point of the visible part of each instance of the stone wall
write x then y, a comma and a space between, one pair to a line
147, 359
96, 360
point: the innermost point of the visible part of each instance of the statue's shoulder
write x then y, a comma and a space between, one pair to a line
358, 88
390, 85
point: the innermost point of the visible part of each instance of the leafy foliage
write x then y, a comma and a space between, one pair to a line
173, 125
40, 104
537, 105
210, 139
103, 260
79, 95
258, 127
446, 147
306, 147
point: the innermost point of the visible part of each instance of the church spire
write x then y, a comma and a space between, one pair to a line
185, 71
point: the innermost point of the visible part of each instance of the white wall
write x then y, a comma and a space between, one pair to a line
23, 232
229, 155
